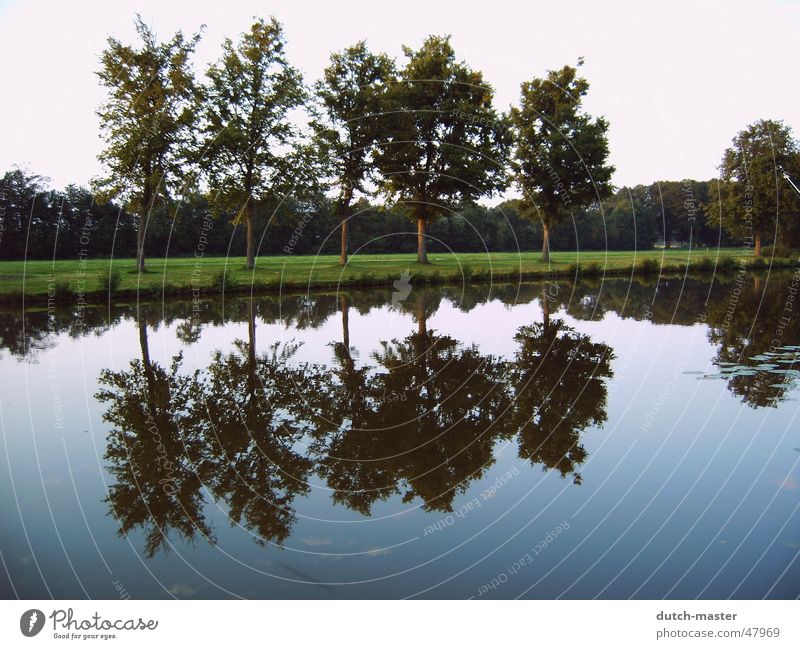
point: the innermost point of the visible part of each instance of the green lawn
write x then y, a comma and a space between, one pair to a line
180, 275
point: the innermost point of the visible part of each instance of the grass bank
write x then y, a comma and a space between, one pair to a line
93, 278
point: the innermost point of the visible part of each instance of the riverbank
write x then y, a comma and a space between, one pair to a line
95, 279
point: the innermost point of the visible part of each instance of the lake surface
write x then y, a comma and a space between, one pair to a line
608, 439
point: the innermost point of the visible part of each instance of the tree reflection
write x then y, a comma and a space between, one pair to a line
254, 420
558, 379
155, 436
753, 331
429, 429
419, 419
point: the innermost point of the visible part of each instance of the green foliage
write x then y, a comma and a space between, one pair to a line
251, 149
145, 121
648, 266
754, 202
223, 282
109, 281
62, 290
445, 145
705, 264
351, 93
560, 159
592, 269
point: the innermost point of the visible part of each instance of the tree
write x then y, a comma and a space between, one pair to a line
351, 95
559, 386
253, 460
145, 121
751, 356
631, 219
560, 160
427, 426
445, 144
754, 201
250, 144
153, 446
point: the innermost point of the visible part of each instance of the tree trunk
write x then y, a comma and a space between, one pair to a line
251, 235
422, 242
545, 308
345, 323
757, 245
252, 378
140, 243
147, 205
149, 375
545, 241
422, 321
343, 254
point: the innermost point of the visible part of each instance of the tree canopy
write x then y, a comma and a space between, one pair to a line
754, 201
351, 93
252, 149
146, 121
445, 145
560, 159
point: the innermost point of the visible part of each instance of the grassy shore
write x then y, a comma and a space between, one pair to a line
187, 276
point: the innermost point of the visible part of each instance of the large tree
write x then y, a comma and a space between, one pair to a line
560, 160
754, 201
445, 144
146, 122
251, 146
351, 93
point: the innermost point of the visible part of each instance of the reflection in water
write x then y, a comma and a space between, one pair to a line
156, 436
753, 332
424, 422
559, 391
420, 418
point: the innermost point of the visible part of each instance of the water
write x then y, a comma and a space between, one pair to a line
605, 439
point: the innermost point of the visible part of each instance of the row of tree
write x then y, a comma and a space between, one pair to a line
42, 223
252, 144
425, 134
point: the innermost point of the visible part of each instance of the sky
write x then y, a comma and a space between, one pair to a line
676, 80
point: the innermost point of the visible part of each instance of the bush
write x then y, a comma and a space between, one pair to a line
222, 282
779, 251
705, 264
648, 266
726, 265
592, 269
109, 282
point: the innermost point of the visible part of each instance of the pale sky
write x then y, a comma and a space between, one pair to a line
676, 80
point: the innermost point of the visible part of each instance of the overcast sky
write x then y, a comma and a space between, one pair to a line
675, 79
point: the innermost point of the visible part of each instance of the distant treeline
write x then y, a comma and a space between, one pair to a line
41, 223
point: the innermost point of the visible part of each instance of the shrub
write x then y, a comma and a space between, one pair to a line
705, 264
648, 266
592, 269
109, 282
222, 282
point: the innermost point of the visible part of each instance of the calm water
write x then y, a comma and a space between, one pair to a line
596, 439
